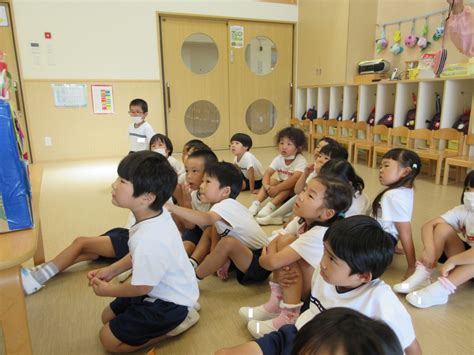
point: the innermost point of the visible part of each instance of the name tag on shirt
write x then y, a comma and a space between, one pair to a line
141, 140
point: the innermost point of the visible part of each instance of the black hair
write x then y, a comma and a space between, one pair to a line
345, 171
295, 135
227, 175
362, 243
139, 102
348, 330
327, 140
468, 182
334, 150
338, 197
207, 155
243, 138
149, 172
163, 139
407, 159
194, 143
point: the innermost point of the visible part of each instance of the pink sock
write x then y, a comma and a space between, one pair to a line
289, 314
273, 304
448, 285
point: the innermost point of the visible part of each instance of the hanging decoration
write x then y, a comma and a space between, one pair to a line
411, 39
423, 42
440, 29
396, 48
381, 43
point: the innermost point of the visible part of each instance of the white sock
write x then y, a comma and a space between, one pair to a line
256, 203
45, 272
271, 206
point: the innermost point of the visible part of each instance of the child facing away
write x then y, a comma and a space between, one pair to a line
393, 207
357, 251
163, 287
162, 144
239, 239
447, 239
288, 165
139, 131
327, 149
249, 165
189, 196
343, 169
299, 247
347, 331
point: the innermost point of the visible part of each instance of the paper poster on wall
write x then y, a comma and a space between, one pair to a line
236, 36
3, 16
102, 99
69, 95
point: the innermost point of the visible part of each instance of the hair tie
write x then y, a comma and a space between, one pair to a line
341, 215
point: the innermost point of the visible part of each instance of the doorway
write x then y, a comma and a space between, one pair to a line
221, 77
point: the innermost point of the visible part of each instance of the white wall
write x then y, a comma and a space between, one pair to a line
109, 39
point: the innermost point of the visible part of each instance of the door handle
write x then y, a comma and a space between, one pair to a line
168, 94
291, 95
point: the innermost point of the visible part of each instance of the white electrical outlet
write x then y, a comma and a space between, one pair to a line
48, 141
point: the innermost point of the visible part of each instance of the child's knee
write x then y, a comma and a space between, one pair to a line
108, 340
107, 315
80, 242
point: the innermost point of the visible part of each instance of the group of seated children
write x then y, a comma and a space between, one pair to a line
329, 255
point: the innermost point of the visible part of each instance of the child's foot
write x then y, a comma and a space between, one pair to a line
254, 208
433, 295
30, 284
256, 313
223, 271
288, 315
268, 209
191, 319
265, 221
419, 279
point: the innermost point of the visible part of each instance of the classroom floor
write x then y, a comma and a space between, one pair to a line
64, 317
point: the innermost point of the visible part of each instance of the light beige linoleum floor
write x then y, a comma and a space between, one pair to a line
64, 317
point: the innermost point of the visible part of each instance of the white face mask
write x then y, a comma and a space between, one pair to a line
469, 201
136, 119
161, 151
291, 157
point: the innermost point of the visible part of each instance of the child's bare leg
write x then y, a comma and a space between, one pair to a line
227, 248
250, 348
461, 274
281, 197
262, 195
84, 248
203, 247
107, 315
447, 240
189, 247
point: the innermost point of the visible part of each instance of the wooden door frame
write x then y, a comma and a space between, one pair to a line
22, 99
160, 14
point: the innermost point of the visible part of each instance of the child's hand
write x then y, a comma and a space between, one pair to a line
186, 192
428, 258
309, 168
273, 191
288, 276
223, 271
101, 274
100, 287
446, 268
409, 272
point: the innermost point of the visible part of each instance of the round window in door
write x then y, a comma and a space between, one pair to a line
202, 118
261, 55
199, 53
261, 116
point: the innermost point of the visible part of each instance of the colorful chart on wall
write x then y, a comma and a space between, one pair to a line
102, 99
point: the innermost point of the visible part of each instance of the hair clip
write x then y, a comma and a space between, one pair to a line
414, 166
341, 215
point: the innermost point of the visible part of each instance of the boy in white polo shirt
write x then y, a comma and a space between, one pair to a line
139, 131
163, 287
239, 237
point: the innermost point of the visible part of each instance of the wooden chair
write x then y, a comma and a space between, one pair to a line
398, 138
362, 133
345, 135
307, 128
437, 149
464, 160
376, 139
318, 130
330, 128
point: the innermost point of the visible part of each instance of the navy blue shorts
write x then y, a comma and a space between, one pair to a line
138, 321
257, 183
255, 273
192, 235
279, 342
119, 239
